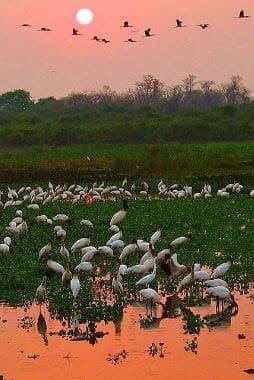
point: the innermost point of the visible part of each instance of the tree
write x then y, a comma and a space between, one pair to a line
149, 91
235, 92
18, 100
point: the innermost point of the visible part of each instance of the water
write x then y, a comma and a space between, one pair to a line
26, 354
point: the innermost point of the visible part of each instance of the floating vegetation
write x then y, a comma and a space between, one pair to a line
117, 358
192, 346
157, 350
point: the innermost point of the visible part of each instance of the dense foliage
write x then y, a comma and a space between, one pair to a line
150, 113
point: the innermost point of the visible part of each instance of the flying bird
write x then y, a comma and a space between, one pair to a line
126, 25
242, 15
26, 25
148, 33
179, 24
75, 32
43, 29
105, 40
203, 26
130, 40
96, 38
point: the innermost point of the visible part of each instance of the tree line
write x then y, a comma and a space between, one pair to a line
150, 112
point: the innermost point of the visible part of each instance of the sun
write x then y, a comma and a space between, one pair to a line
84, 16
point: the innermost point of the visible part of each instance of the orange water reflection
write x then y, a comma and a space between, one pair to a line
221, 355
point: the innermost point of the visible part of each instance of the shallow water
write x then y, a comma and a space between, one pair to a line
220, 354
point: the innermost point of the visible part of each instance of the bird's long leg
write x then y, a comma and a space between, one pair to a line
217, 304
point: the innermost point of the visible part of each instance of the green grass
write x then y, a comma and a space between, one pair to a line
215, 224
177, 161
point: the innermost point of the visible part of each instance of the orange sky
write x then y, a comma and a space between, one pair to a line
57, 64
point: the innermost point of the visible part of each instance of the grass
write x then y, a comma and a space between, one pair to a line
176, 161
217, 225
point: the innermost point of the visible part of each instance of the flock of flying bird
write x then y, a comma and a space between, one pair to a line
147, 265
147, 32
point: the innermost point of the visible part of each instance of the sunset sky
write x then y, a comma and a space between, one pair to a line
56, 63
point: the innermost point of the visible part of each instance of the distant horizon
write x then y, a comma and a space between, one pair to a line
57, 63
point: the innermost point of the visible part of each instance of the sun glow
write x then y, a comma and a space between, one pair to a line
85, 16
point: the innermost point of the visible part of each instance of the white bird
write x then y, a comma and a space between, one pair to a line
150, 295
41, 293
75, 285
120, 215
45, 251
86, 223
179, 241
56, 267
106, 250
116, 236
155, 236
221, 269
79, 244
117, 285
7, 241
62, 218
215, 282
116, 244
114, 229
65, 253
128, 250
221, 293
4, 249
148, 278
84, 266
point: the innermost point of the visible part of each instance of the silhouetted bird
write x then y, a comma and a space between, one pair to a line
242, 15
126, 25
148, 33
130, 40
203, 26
75, 32
105, 40
43, 29
179, 24
26, 25
96, 38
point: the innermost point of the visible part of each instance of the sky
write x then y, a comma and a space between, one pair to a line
57, 64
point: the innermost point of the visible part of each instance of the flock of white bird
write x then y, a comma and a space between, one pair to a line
147, 265
32, 197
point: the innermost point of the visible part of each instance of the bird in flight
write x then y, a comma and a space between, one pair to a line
130, 40
242, 15
75, 32
126, 25
203, 26
43, 29
105, 40
26, 25
179, 24
148, 33
96, 38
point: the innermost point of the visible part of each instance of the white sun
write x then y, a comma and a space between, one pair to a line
84, 16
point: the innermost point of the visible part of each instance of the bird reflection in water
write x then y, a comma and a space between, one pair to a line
42, 328
222, 319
